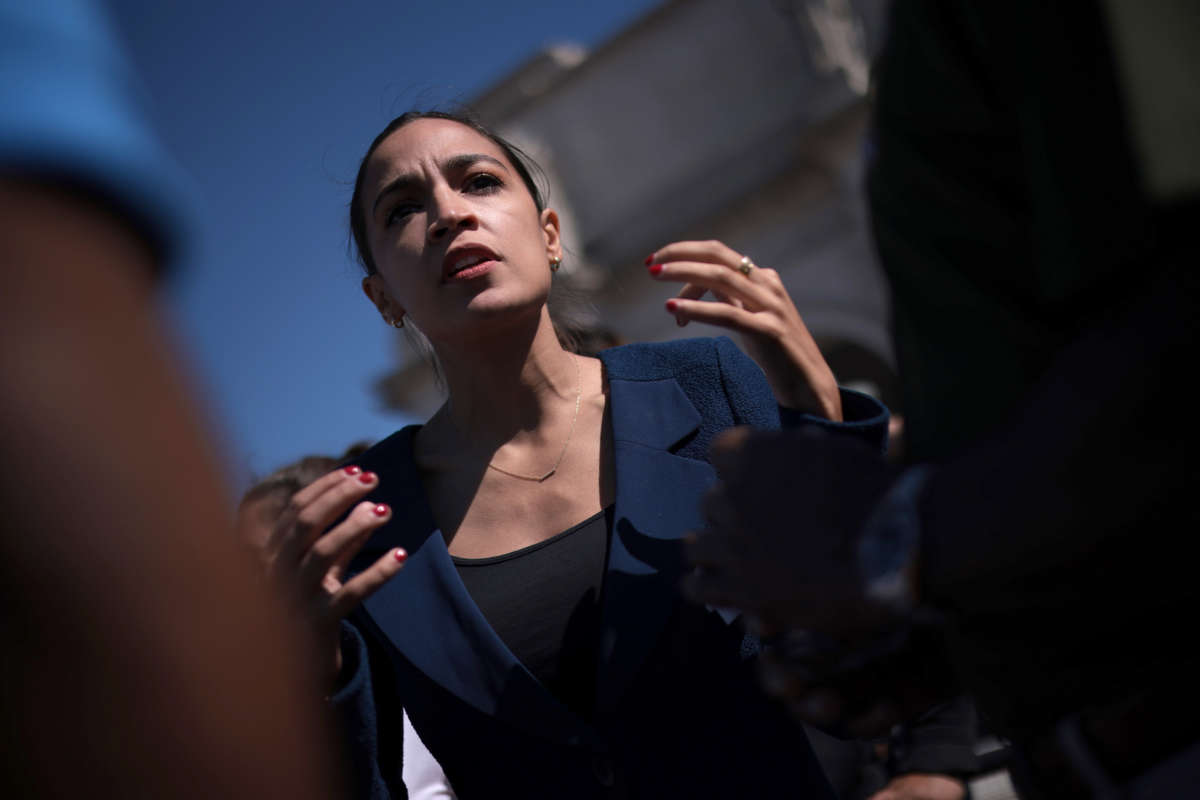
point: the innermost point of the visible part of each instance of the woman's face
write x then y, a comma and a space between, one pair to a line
454, 232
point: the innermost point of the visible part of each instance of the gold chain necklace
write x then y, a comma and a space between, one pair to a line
570, 433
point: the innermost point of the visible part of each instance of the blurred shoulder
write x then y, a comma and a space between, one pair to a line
72, 113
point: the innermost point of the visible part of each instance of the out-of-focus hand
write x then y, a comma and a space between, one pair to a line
826, 684
756, 304
782, 527
918, 786
308, 557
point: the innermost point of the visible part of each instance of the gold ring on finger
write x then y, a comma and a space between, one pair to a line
745, 265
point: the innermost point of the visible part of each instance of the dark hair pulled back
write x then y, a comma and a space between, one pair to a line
525, 166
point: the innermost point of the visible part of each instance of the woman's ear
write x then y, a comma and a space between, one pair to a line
376, 291
551, 232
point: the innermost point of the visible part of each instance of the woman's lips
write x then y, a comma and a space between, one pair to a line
471, 272
467, 261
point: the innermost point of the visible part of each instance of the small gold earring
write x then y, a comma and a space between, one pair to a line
395, 323
555, 263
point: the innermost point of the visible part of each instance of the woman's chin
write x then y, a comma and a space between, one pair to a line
498, 305
487, 313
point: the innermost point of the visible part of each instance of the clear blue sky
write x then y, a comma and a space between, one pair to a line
268, 105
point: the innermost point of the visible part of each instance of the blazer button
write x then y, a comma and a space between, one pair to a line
603, 771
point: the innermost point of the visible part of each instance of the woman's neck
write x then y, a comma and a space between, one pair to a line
508, 387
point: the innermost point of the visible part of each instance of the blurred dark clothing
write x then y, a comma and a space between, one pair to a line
852, 765
941, 742
1044, 306
1005, 205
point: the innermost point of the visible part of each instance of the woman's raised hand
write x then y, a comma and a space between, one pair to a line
753, 301
308, 557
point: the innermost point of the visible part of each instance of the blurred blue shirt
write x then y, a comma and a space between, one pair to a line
70, 113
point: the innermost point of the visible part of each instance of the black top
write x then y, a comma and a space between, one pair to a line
544, 603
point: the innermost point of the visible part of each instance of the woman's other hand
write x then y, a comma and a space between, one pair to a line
920, 786
753, 301
308, 557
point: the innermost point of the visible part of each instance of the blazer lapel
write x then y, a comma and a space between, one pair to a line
658, 498
428, 615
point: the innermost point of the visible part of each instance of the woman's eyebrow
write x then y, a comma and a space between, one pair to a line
452, 163
467, 159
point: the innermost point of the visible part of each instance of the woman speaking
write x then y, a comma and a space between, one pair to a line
537, 638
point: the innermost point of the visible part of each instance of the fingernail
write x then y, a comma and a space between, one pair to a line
655, 269
400, 555
352, 470
367, 477
649, 259
680, 321
672, 305
381, 510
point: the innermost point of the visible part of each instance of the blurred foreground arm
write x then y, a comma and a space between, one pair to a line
141, 658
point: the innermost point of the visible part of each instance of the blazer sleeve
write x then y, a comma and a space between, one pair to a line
357, 719
750, 398
863, 418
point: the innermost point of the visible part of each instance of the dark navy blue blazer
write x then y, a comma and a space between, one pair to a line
679, 712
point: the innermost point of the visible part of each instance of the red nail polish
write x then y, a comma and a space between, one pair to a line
672, 305
381, 510
367, 477
649, 259
655, 269
400, 555
352, 470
